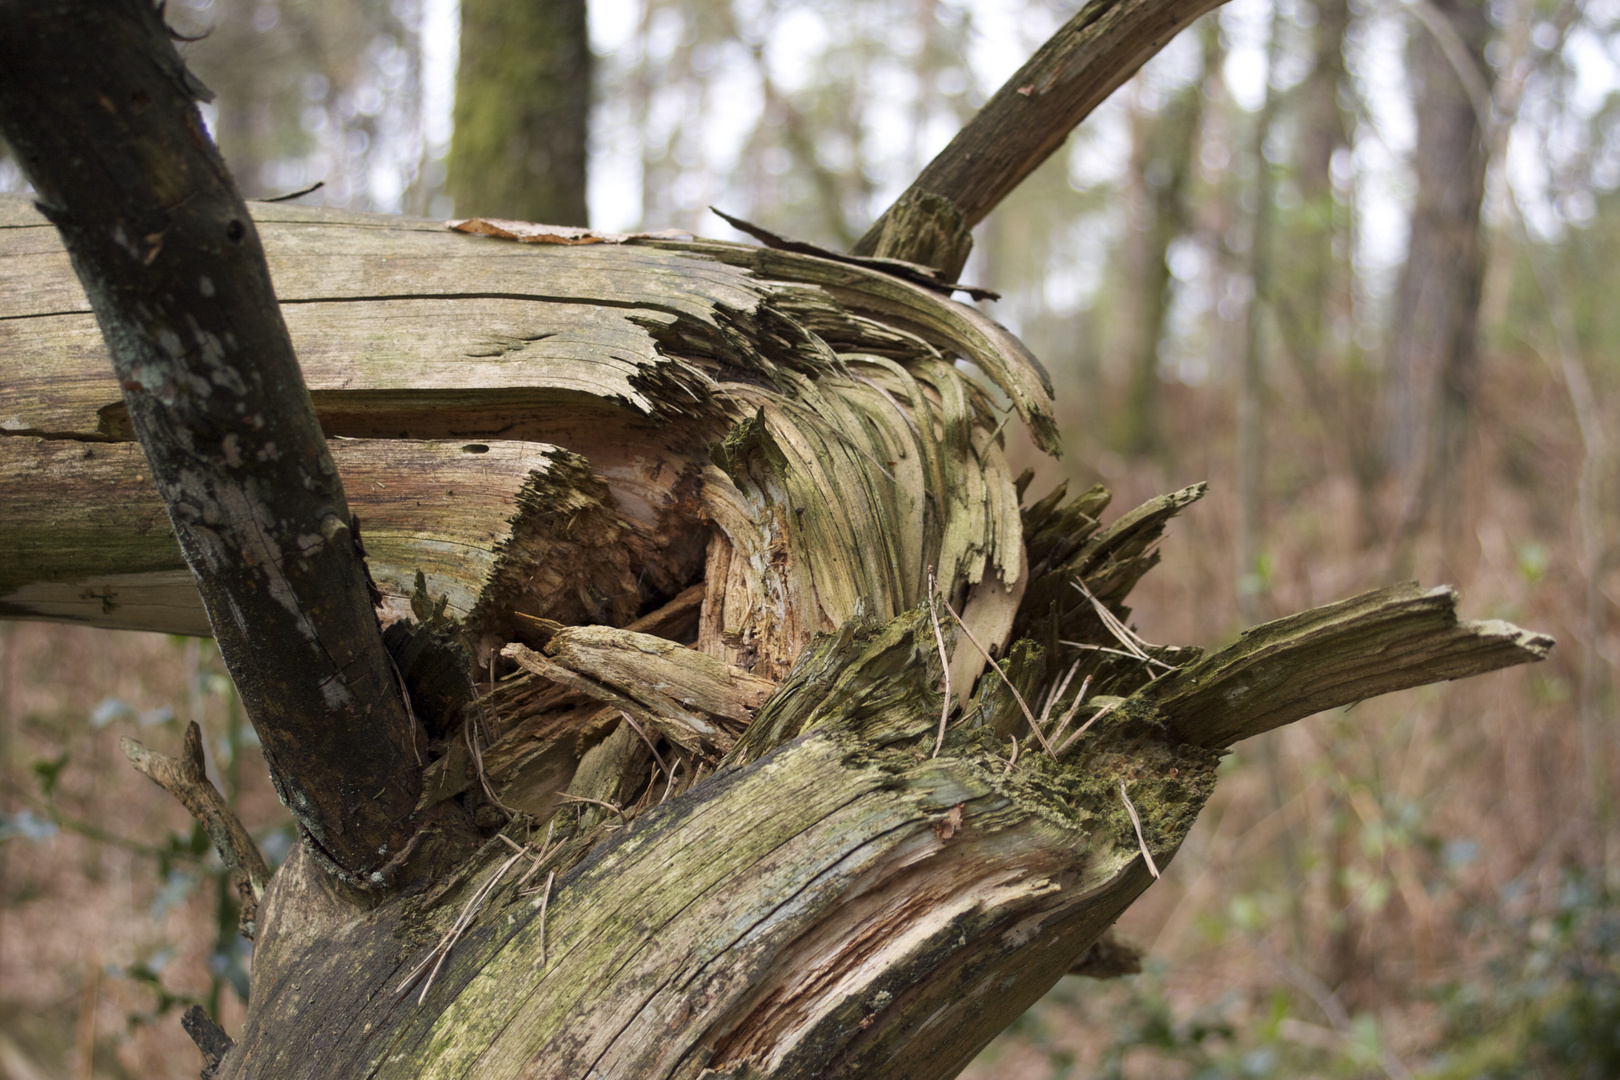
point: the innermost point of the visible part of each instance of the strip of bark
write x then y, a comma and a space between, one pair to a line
1020, 127
101, 113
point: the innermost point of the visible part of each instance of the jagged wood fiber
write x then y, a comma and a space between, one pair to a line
677, 500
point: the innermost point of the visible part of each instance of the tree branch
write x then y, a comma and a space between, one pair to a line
101, 114
1020, 127
187, 780
1381, 641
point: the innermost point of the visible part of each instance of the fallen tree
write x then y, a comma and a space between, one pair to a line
737, 717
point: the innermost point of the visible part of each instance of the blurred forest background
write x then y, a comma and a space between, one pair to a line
1353, 261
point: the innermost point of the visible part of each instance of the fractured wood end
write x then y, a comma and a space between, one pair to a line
1381, 641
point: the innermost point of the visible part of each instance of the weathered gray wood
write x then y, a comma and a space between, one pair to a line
639, 387
86, 539
1384, 640
844, 905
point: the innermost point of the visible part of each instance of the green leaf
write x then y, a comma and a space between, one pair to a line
49, 772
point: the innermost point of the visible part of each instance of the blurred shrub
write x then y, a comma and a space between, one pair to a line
1549, 1006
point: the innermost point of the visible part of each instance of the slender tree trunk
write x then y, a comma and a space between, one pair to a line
1157, 176
523, 99
1431, 364
1251, 383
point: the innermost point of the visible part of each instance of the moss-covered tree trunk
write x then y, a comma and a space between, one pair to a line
693, 558
523, 102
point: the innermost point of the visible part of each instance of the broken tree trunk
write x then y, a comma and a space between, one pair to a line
684, 496
703, 516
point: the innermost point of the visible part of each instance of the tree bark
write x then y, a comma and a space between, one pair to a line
752, 808
523, 100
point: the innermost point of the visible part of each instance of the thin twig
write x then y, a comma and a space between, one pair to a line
1079, 699
1153, 868
478, 767
448, 941
546, 852
595, 802
405, 696
1081, 730
1022, 704
1054, 696
1125, 635
1115, 652
545, 902
638, 730
944, 665
670, 786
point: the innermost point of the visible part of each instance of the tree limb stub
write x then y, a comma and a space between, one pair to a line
186, 779
101, 113
1381, 641
1020, 127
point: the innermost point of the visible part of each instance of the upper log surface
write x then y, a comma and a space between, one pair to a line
635, 358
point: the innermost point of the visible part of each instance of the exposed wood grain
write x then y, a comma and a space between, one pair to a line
86, 536
1375, 643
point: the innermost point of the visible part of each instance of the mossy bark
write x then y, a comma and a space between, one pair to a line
523, 99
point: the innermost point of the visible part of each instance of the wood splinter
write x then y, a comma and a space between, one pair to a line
186, 778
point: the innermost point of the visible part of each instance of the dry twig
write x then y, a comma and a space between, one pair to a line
1153, 867
1022, 704
469, 912
187, 780
1126, 636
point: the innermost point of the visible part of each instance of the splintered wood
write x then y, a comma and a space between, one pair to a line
687, 509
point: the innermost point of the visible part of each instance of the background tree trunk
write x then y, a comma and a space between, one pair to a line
1432, 364
523, 102
1162, 151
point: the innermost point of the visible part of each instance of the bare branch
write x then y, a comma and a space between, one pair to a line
186, 779
1375, 643
1020, 127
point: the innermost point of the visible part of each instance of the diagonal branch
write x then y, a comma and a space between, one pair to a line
1020, 127
101, 113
